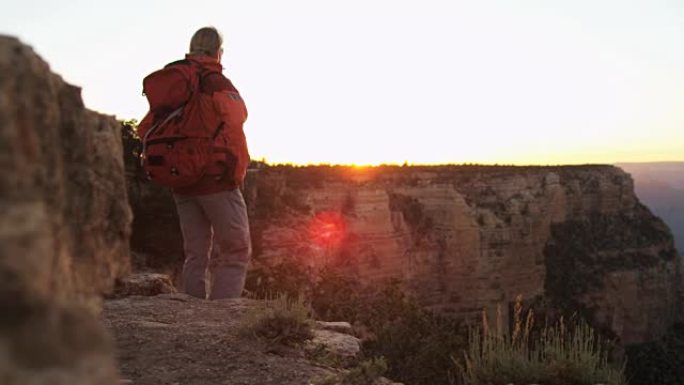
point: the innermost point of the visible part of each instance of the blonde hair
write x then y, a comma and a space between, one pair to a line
206, 41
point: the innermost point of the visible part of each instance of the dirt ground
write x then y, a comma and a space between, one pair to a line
174, 339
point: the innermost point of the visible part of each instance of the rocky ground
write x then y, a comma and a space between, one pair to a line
175, 339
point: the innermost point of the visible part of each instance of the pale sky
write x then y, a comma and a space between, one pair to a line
508, 81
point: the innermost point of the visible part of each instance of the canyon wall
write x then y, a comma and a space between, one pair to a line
64, 226
464, 238
467, 238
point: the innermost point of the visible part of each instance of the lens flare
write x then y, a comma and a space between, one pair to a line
327, 229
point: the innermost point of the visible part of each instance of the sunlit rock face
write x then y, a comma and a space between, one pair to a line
468, 238
461, 238
64, 226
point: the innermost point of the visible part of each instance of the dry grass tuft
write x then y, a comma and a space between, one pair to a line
556, 354
280, 320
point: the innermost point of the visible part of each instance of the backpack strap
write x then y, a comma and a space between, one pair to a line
208, 85
211, 81
179, 62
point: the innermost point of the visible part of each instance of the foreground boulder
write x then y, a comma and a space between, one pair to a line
64, 226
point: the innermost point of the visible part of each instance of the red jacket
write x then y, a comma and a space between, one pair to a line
220, 102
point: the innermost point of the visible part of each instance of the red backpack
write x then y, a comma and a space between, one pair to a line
177, 149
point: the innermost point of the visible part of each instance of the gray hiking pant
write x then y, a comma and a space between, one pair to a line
214, 221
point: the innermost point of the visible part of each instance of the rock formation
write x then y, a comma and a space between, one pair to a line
64, 226
464, 238
175, 338
145, 284
468, 238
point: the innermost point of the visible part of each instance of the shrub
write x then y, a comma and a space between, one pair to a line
558, 354
416, 343
132, 146
418, 346
365, 373
660, 362
288, 277
280, 320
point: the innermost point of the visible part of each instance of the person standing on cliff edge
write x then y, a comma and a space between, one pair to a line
212, 211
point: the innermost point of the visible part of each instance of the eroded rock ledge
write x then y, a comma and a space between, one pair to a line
175, 338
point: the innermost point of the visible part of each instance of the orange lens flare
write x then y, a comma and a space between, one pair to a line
327, 229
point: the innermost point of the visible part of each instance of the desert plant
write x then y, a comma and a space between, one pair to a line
658, 362
280, 320
417, 346
289, 277
559, 354
415, 343
365, 373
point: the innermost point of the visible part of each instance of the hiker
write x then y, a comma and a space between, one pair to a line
211, 209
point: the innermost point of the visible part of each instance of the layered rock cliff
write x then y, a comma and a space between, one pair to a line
64, 226
467, 238
464, 238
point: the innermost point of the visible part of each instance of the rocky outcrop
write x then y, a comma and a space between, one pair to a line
340, 346
64, 225
179, 339
175, 338
147, 284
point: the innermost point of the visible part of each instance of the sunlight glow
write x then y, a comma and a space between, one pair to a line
367, 83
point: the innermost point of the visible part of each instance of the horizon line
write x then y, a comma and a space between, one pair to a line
409, 164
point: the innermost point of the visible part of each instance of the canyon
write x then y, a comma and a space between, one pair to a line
660, 185
77, 217
462, 238
467, 238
